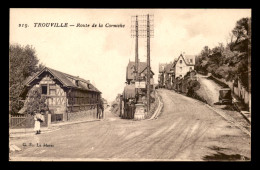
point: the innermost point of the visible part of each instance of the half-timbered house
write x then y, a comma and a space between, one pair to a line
65, 93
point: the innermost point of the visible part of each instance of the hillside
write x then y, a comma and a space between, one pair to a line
209, 90
230, 62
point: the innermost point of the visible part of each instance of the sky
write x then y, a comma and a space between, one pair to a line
101, 54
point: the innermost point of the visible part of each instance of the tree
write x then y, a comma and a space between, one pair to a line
231, 62
22, 64
35, 101
241, 28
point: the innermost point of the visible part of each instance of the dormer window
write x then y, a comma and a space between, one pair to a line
180, 61
77, 82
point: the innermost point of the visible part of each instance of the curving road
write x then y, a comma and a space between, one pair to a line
185, 130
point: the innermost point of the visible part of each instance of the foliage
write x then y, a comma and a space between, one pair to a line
241, 29
35, 101
22, 64
231, 61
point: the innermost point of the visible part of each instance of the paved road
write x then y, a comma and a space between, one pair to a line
185, 130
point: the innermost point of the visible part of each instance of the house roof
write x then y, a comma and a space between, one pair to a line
130, 69
66, 80
186, 59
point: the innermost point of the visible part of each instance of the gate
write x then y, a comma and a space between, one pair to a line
24, 121
21, 121
16, 121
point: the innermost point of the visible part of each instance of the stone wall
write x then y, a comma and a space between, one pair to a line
83, 115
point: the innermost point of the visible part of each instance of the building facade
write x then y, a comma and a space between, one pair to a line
183, 65
64, 93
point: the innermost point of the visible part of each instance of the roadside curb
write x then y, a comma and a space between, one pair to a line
159, 108
229, 120
76, 122
52, 128
241, 112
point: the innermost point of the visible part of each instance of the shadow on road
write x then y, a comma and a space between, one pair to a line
219, 156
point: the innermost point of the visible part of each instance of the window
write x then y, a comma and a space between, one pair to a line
190, 60
190, 68
44, 89
52, 89
180, 61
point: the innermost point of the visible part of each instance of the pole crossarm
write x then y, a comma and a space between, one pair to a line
142, 26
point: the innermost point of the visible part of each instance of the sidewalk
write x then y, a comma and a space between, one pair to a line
241, 109
72, 122
23, 132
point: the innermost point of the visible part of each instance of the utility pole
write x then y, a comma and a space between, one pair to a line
148, 64
142, 27
136, 49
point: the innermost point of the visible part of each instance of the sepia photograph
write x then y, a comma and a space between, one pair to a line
129, 85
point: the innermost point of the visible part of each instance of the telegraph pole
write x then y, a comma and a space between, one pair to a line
136, 49
148, 64
142, 27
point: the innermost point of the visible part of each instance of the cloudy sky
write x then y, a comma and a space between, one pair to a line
101, 54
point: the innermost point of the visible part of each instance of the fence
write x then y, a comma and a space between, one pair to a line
242, 93
24, 121
17, 121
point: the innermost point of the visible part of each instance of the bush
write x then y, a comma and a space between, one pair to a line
35, 101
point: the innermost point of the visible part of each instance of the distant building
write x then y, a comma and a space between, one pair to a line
182, 65
142, 67
165, 75
161, 76
170, 73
